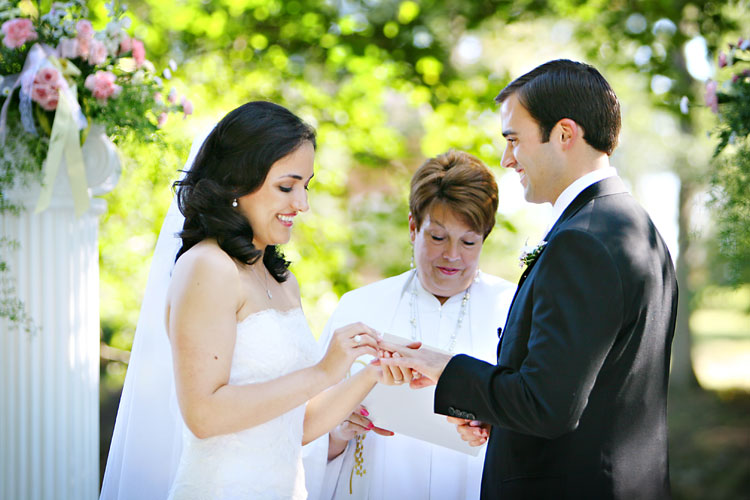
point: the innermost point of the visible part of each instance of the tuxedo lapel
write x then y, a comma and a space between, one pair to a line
605, 187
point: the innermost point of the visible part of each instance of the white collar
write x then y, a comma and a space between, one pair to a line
576, 187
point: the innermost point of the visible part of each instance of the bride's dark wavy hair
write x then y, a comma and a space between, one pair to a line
233, 161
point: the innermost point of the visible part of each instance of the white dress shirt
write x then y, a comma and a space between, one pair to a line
575, 188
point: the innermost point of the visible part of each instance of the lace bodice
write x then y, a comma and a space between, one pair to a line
263, 462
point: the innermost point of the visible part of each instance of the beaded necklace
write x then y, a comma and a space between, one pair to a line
416, 332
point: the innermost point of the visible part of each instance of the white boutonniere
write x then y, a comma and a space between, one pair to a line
529, 254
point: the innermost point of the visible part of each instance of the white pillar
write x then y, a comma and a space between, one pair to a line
49, 379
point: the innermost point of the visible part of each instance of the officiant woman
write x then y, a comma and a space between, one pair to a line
444, 301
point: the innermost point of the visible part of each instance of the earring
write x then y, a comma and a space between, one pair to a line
234, 203
411, 264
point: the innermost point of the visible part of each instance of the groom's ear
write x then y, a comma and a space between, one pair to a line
567, 132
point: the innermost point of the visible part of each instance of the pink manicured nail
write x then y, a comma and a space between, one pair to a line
364, 412
370, 426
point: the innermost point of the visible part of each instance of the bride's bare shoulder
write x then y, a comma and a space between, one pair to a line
207, 262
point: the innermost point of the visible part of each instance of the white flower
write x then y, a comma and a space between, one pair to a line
529, 254
684, 105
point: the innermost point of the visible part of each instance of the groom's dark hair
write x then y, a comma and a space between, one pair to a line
568, 89
233, 161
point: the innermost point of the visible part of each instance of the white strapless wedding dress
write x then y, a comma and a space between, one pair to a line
265, 461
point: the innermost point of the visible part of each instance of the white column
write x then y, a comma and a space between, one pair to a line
49, 378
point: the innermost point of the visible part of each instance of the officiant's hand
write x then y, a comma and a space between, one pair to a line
427, 363
474, 432
356, 424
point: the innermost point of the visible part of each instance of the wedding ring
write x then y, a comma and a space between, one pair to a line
398, 381
357, 339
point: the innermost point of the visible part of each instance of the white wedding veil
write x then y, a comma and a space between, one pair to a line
147, 438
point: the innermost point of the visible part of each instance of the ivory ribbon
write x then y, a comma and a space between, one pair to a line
65, 140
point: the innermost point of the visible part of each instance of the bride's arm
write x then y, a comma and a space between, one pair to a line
203, 299
331, 407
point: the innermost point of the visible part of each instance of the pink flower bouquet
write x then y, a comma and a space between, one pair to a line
102, 75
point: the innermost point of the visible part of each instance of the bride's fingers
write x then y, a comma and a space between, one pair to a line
402, 373
387, 372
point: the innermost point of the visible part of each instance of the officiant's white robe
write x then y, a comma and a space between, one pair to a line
399, 466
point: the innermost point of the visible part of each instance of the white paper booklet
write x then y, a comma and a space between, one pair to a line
410, 412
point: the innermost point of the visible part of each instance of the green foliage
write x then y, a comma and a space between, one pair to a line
731, 181
731, 166
10, 306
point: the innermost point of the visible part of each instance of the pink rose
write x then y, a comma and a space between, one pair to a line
17, 32
67, 48
139, 52
84, 30
84, 36
45, 89
162, 120
48, 76
187, 107
84, 45
45, 96
722, 59
712, 101
102, 85
97, 53
126, 44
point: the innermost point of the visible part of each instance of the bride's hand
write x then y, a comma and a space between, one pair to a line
347, 344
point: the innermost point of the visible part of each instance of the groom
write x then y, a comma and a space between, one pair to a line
577, 400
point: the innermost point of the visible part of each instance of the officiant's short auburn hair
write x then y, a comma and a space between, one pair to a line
460, 182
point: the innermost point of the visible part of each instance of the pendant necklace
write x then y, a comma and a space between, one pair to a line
264, 282
416, 332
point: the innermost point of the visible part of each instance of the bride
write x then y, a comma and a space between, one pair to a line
251, 387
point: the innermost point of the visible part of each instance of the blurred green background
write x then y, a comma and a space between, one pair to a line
388, 83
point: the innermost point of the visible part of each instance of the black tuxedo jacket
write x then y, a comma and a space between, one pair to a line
578, 398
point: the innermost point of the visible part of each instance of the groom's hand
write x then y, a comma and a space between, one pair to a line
395, 375
427, 363
474, 432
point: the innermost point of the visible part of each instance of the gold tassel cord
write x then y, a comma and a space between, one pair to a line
359, 461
